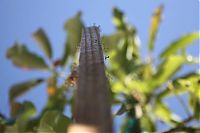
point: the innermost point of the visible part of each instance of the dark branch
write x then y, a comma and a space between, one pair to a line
181, 126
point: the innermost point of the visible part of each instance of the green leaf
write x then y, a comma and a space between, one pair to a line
21, 57
147, 124
118, 87
57, 101
183, 84
129, 32
20, 88
15, 108
180, 43
162, 111
118, 19
73, 28
139, 85
155, 22
191, 84
123, 56
29, 109
123, 53
133, 41
54, 122
27, 112
110, 42
147, 71
42, 39
166, 70
194, 103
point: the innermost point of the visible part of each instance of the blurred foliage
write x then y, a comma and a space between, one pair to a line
155, 21
53, 121
141, 83
21, 57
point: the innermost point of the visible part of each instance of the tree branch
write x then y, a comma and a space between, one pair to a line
181, 127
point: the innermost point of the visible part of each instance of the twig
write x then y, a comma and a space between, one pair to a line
180, 126
171, 87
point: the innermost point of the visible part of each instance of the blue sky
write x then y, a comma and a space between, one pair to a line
19, 19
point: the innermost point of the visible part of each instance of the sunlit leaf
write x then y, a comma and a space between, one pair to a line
132, 53
118, 87
20, 88
57, 101
191, 84
54, 122
73, 28
138, 85
183, 84
147, 124
130, 37
194, 103
166, 70
147, 71
123, 45
118, 19
180, 43
162, 112
128, 84
110, 42
122, 58
42, 39
29, 109
21, 57
155, 22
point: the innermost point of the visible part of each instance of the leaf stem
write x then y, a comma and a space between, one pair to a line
185, 108
180, 126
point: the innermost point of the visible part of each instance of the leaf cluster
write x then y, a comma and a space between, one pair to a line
139, 85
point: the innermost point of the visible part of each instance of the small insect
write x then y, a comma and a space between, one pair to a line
106, 57
73, 77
